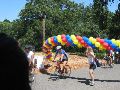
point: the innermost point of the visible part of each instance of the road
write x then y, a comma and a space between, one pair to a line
105, 79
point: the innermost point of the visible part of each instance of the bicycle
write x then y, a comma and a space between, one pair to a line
57, 73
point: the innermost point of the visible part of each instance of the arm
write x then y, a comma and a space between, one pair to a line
92, 54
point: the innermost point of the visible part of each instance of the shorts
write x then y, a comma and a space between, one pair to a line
92, 66
64, 60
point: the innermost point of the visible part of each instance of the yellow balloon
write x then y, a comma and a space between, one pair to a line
73, 37
62, 43
79, 45
93, 41
97, 44
119, 45
114, 41
91, 38
49, 40
117, 42
75, 42
59, 36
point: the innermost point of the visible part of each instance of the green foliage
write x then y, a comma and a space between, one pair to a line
62, 17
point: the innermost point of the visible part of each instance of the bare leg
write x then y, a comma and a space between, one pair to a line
91, 73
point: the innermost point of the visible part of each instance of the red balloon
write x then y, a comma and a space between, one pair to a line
85, 45
105, 44
52, 39
67, 44
82, 42
98, 39
63, 36
64, 40
79, 38
101, 41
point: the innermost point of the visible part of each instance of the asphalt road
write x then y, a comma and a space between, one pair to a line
105, 79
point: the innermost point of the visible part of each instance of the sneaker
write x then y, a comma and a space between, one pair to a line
92, 83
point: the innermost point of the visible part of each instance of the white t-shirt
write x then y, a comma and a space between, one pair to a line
39, 61
30, 54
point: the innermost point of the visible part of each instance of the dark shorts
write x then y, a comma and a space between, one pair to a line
64, 60
92, 66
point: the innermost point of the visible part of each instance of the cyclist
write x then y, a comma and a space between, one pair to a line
62, 57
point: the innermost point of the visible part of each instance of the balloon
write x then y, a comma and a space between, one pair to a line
113, 40
67, 44
85, 39
105, 44
55, 40
64, 40
79, 45
101, 41
82, 42
91, 38
97, 44
63, 36
63, 43
89, 43
49, 40
79, 38
93, 41
73, 37
98, 39
113, 46
75, 42
67, 37
70, 41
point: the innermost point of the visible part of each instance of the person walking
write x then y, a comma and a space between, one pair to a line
92, 64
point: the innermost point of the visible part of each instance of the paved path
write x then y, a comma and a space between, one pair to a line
106, 79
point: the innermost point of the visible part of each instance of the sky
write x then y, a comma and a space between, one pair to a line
9, 9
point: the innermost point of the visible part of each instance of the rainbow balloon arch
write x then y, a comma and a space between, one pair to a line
76, 40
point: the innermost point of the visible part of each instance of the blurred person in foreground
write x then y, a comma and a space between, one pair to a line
14, 65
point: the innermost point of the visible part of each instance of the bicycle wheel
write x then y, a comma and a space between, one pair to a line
67, 71
55, 74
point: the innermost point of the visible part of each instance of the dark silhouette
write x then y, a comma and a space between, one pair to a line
14, 73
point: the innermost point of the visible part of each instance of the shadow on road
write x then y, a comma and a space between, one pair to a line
82, 80
86, 81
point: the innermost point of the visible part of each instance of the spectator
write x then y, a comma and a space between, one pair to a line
14, 65
92, 64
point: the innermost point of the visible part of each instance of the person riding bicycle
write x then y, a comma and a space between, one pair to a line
61, 57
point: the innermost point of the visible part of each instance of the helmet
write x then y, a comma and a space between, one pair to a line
58, 47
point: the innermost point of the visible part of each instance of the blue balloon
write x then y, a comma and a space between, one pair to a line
67, 37
113, 46
73, 44
55, 40
109, 42
85, 39
93, 46
89, 43
117, 49
70, 41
